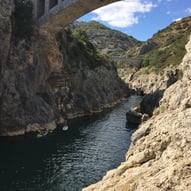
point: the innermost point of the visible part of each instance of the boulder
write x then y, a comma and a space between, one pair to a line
133, 117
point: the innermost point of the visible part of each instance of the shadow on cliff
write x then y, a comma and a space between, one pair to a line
151, 101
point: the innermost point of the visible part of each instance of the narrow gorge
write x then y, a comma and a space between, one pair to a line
47, 79
159, 157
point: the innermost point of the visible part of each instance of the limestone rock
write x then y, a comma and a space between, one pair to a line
153, 82
133, 117
151, 101
45, 78
159, 157
6, 10
147, 47
38, 127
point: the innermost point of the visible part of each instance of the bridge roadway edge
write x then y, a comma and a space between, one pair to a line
61, 15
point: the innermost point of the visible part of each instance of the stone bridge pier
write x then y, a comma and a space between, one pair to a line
53, 15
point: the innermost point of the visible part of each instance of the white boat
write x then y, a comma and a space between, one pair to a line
65, 128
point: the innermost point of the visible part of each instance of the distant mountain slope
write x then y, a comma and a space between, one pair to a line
165, 48
108, 41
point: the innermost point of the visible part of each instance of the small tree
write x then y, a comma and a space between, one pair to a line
23, 18
80, 35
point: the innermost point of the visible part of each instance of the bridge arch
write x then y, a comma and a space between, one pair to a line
53, 15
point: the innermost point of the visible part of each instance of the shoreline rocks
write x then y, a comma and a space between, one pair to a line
136, 116
51, 126
159, 157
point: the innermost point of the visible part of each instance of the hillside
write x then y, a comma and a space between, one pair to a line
159, 157
165, 48
108, 41
159, 57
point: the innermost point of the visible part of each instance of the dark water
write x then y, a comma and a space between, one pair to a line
66, 161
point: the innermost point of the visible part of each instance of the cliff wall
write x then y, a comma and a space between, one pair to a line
46, 78
159, 157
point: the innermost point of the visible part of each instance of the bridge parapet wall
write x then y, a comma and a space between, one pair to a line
45, 9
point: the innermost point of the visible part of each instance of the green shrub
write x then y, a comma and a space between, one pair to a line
145, 62
180, 74
168, 55
156, 111
80, 35
23, 18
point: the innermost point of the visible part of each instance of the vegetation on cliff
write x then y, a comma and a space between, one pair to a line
159, 157
89, 76
44, 79
108, 41
81, 48
165, 48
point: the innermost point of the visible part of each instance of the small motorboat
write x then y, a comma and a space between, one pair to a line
65, 128
39, 135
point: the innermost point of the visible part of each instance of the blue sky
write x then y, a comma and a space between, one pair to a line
140, 18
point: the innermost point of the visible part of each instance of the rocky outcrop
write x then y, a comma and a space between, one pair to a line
146, 47
108, 41
159, 157
46, 78
151, 101
85, 83
6, 10
149, 83
26, 96
134, 116
181, 91
152, 86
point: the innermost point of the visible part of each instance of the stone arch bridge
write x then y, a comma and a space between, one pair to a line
53, 15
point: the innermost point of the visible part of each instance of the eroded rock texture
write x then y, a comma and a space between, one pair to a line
159, 157
47, 77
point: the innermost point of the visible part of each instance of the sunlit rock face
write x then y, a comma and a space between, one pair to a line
159, 157
6, 9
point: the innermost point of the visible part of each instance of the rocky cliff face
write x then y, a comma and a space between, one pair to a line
44, 78
108, 41
6, 9
152, 86
159, 157
160, 57
84, 85
150, 83
25, 95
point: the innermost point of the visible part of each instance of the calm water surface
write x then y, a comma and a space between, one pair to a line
67, 161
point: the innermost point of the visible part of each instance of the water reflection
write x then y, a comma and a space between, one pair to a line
69, 160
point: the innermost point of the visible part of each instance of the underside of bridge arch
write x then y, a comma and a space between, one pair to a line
55, 22
52, 3
40, 8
